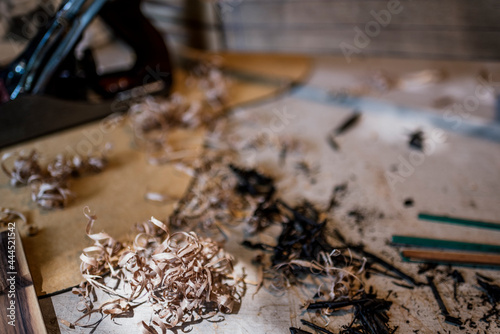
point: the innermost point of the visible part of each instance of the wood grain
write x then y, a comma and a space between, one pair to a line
456, 29
452, 257
27, 317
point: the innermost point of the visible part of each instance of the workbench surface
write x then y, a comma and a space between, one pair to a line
457, 174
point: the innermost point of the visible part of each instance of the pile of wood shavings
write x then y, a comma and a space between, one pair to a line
50, 184
152, 118
180, 275
8, 216
223, 193
210, 202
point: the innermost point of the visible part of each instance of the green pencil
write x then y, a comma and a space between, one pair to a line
458, 221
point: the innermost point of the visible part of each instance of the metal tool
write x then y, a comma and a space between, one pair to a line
46, 88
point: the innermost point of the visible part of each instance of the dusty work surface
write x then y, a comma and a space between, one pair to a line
456, 174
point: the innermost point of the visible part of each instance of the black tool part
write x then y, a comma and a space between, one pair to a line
31, 116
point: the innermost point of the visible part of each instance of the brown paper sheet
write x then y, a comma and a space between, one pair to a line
117, 195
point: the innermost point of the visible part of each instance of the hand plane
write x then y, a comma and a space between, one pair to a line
46, 87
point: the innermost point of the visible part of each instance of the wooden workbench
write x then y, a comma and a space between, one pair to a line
459, 176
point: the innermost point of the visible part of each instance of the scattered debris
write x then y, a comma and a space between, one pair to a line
457, 279
8, 216
349, 123
50, 184
484, 278
315, 327
302, 236
346, 125
374, 258
419, 79
492, 291
258, 246
416, 140
153, 118
159, 197
223, 192
425, 267
309, 171
210, 200
253, 183
370, 313
51, 193
24, 169
409, 287
389, 267
357, 215
294, 330
444, 311
408, 202
339, 191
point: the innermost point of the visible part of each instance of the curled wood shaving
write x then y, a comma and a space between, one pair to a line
10, 215
210, 80
211, 201
153, 118
25, 168
224, 194
180, 275
51, 193
337, 280
50, 184
158, 197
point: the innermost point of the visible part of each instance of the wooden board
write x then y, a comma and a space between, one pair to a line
460, 83
448, 181
19, 309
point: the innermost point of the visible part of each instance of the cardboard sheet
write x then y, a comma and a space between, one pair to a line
117, 195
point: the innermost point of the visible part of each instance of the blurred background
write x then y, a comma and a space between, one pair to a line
447, 29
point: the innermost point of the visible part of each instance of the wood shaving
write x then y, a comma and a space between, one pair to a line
181, 276
25, 168
50, 184
419, 79
211, 200
159, 197
153, 118
51, 193
10, 215
209, 78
